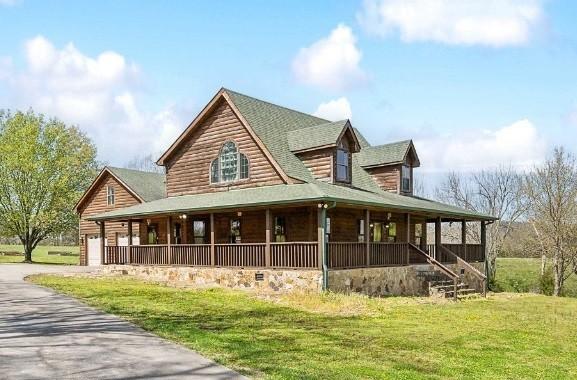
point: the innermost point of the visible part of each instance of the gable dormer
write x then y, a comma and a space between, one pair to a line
326, 150
391, 165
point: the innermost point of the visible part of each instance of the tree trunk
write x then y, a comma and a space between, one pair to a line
543, 262
27, 252
558, 277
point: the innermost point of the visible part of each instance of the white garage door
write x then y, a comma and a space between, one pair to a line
94, 250
123, 240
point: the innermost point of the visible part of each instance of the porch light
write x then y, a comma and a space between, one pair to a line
148, 222
183, 216
239, 213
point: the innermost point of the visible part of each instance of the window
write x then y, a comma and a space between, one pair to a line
110, 195
391, 232
361, 230
377, 231
342, 174
152, 234
177, 233
279, 229
199, 231
406, 179
235, 231
230, 165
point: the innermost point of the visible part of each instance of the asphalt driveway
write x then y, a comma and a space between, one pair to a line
44, 335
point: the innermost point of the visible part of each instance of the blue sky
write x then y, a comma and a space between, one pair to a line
474, 83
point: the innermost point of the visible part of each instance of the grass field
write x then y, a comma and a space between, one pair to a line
522, 275
507, 336
40, 254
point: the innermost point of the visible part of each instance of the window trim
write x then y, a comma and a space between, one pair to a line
408, 169
343, 148
217, 160
110, 195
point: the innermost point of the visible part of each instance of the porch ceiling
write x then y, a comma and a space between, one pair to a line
296, 194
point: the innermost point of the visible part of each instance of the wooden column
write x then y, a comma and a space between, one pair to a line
322, 246
212, 239
169, 238
102, 242
368, 236
484, 240
408, 235
129, 248
464, 239
438, 238
321, 217
424, 236
267, 239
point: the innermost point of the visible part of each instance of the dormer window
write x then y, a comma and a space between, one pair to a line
229, 166
342, 163
406, 179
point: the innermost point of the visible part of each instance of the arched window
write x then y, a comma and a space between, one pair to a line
230, 165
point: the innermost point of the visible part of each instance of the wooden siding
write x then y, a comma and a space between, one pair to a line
387, 177
188, 171
319, 163
96, 203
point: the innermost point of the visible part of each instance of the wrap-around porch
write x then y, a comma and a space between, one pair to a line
315, 236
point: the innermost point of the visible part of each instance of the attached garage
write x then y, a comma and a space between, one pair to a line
93, 250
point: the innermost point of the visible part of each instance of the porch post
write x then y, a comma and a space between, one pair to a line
169, 238
484, 241
438, 238
102, 242
368, 235
129, 248
424, 235
464, 239
321, 225
408, 236
212, 239
267, 239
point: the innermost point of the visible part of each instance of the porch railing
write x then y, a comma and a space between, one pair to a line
240, 255
288, 255
294, 255
191, 254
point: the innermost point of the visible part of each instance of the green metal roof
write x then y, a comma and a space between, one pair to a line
316, 136
149, 186
282, 130
383, 154
284, 195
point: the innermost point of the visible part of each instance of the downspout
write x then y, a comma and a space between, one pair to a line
326, 244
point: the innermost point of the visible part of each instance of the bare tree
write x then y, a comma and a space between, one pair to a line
496, 192
146, 163
552, 191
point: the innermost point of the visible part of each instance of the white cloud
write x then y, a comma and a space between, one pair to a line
100, 94
518, 144
456, 22
8, 3
334, 110
332, 62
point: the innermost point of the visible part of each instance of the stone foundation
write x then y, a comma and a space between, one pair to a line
391, 281
273, 280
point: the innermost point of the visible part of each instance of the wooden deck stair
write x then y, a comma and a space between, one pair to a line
446, 289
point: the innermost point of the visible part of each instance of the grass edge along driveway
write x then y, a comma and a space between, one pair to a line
336, 336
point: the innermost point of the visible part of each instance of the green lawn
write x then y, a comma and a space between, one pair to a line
40, 254
522, 275
507, 336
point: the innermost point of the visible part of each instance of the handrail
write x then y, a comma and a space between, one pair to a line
443, 268
474, 270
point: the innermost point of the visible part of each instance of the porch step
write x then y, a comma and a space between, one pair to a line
446, 289
462, 293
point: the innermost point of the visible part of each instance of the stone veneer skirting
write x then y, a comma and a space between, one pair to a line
275, 280
391, 281
387, 281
